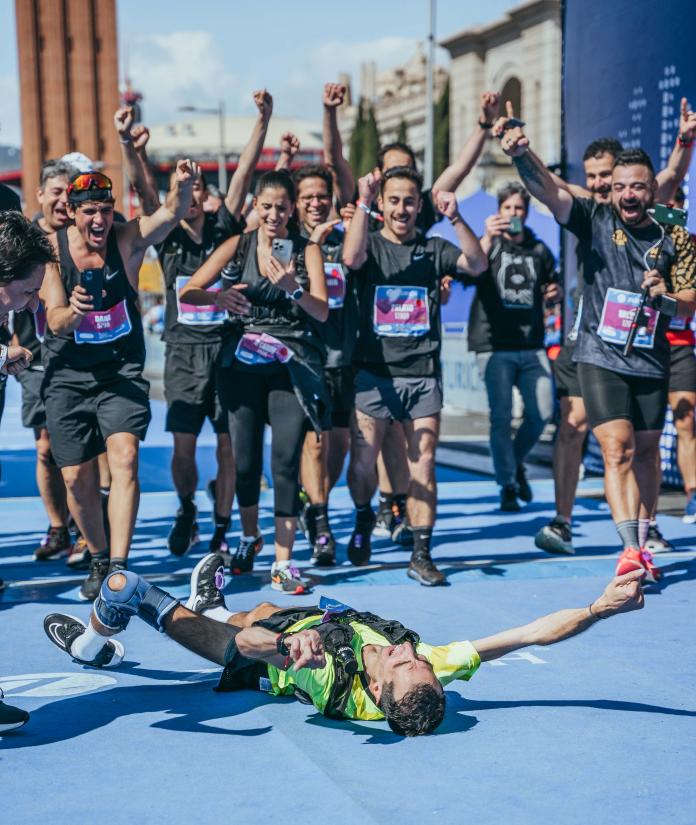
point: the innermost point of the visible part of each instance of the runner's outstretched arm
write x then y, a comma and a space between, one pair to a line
669, 178
355, 242
241, 180
454, 174
621, 595
344, 182
123, 121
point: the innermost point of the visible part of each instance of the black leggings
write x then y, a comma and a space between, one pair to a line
252, 399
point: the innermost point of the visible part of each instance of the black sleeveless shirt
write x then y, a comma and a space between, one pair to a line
75, 350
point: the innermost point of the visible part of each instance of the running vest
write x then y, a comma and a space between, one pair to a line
107, 339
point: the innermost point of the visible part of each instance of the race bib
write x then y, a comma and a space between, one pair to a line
40, 323
104, 325
679, 323
255, 348
335, 284
194, 315
617, 315
401, 311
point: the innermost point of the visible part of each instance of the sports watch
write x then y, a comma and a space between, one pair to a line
296, 294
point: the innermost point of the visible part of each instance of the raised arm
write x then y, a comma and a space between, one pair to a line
140, 135
241, 180
621, 595
454, 174
344, 182
123, 121
669, 178
355, 241
535, 176
473, 260
289, 147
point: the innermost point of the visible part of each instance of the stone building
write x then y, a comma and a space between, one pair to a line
521, 56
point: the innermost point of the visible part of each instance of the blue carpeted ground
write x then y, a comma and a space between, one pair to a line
600, 728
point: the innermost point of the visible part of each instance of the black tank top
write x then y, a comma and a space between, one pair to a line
118, 325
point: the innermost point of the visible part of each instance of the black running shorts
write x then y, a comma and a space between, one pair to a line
565, 374
191, 389
341, 384
81, 413
397, 398
33, 410
610, 395
682, 369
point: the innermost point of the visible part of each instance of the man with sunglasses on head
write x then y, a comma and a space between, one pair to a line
96, 398
397, 274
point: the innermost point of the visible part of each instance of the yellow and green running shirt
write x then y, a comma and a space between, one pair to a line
457, 660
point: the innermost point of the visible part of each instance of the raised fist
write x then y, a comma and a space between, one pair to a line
368, 186
289, 144
333, 96
446, 203
123, 120
264, 103
490, 106
140, 135
187, 171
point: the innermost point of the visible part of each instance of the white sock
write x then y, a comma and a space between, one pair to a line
88, 645
218, 614
280, 565
643, 526
249, 538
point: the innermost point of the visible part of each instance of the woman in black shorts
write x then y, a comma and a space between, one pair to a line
272, 371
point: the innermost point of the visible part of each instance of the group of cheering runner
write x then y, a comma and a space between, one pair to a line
275, 314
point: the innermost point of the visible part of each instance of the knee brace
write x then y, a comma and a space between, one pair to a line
114, 608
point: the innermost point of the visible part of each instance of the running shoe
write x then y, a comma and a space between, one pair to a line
652, 571
360, 544
324, 551
207, 584
219, 544
54, 545
524, 491
656, 542
423, 570
289, 580
384, 523
242, 560
80, 556
63, 629
689, 516
508, 499
11, 718
98, 571
184, 532
632, 559
555, 537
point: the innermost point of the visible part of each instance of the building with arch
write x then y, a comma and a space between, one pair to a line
521, 56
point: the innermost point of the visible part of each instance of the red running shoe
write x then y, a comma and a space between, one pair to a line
652, 571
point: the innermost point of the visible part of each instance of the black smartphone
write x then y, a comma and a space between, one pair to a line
513, 122
93, 281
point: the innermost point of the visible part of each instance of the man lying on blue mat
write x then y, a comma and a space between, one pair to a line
349, 664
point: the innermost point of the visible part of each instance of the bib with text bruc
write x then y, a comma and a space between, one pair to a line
192, 315
401, 311
335, 284
259, 348
617, 316
104, 326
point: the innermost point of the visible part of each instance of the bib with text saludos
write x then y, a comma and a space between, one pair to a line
197, 316
335, 284
104, 325
260, 348
617, 315
401, 311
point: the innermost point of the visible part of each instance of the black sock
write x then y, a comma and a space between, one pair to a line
187, 505
321, 518
422, 539
364, 513
222, 522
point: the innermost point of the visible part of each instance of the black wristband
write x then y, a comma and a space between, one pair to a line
281, 647
484, 124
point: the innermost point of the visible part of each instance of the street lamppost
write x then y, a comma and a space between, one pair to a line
429, 102
220, 112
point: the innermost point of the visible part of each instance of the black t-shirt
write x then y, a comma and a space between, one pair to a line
398, 289
613, 267
109, 341
180, 256
508, 310
9, 200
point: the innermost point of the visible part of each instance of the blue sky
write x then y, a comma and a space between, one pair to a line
210, 49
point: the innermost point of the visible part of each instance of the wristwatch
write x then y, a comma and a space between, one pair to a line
3, 355
485, 124
296, 294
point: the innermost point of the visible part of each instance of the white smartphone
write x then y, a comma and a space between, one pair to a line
281, 250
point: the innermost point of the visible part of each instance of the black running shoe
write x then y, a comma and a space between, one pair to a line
656, 542
55, 544
63, 629
508, 499
555, 537
98, 571
324, 552
524, 491
184, 532
243, 557
384, 523
422, 569
80, 556
207, 584
11, 718
360, 544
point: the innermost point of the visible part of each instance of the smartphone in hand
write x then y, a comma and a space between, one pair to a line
281, 250
515, 225
92, 280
